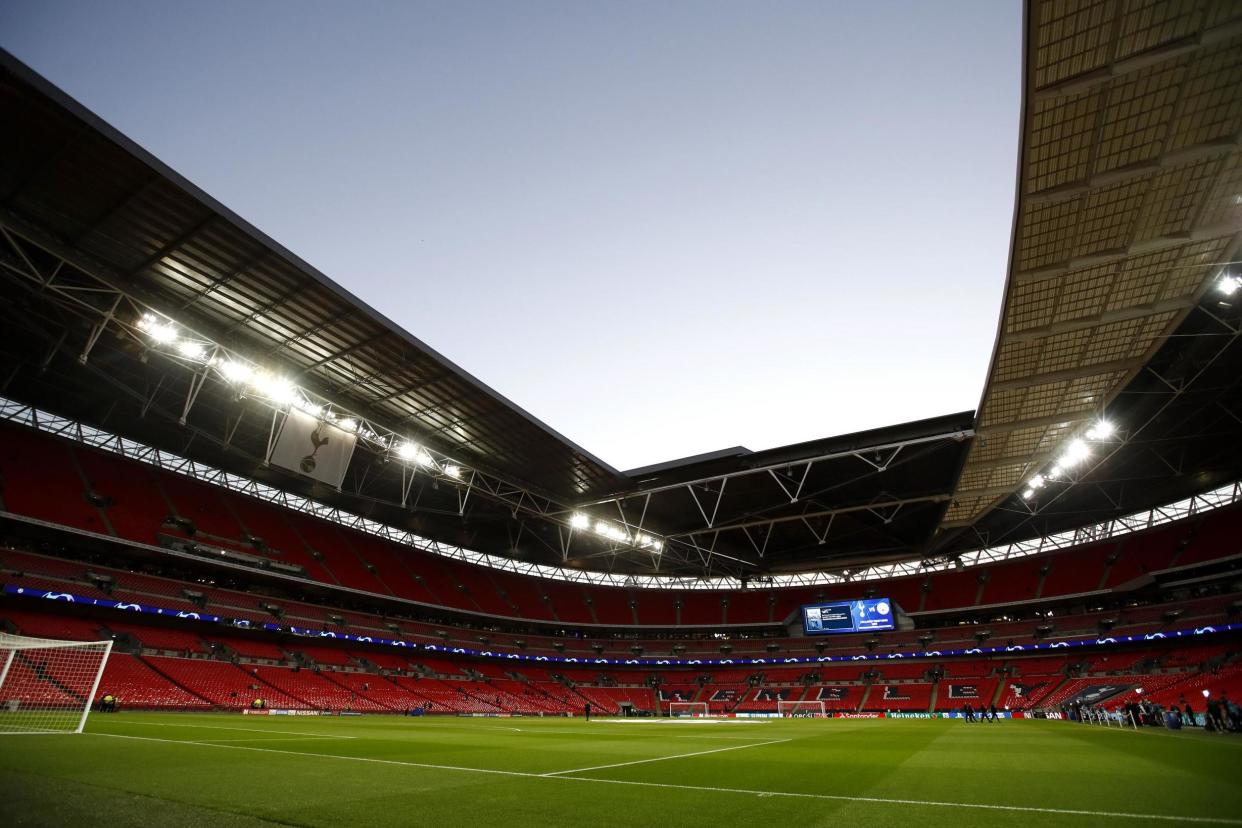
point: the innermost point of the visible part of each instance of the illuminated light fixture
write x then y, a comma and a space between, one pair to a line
424, 459
579, 521
1036, 482
1076, 452
190, 349
164, 333
1102, 430
347, 424
308, 407
1028, 494
407, 451
234, 371
453, 471
277, 389
611, 532
1229, 285
1055, 472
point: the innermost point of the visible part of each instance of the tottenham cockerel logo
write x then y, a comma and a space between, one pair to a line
318, 441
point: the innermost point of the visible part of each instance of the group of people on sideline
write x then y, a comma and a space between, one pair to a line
985, 713
1221, 714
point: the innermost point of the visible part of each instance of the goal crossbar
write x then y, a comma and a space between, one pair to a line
694, 709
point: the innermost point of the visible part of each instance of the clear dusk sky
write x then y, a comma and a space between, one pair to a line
663, 228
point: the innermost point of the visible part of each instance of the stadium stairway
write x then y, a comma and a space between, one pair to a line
1000, 691
862, 703
1036, 701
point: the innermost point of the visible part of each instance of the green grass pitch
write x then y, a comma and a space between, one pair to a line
231, 770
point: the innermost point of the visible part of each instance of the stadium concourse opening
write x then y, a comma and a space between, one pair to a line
267, 558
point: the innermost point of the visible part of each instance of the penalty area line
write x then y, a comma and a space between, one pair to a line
705, 788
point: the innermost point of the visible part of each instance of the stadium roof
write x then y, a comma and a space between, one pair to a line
1129, 200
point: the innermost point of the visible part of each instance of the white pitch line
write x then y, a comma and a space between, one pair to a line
253, 739
666, 758
744, 791
223, 727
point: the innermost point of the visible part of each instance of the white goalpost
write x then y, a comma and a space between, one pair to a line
811, 709
46, 685
692, 709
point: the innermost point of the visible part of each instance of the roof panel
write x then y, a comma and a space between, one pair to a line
1129, 200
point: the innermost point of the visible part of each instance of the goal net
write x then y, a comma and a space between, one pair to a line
813, 709
676, 709
47, 686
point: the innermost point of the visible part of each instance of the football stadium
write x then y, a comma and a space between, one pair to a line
268, 558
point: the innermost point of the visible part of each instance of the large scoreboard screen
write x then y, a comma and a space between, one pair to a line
862, 615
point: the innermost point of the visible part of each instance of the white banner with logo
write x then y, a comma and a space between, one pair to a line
314, 448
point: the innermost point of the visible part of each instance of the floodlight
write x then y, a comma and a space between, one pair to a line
347, 424
235, 371
579, 521
1055, 472
1028, 494
165, 333
1075, 453
277, 389
1102, 430
1036, 482
1207, 693
407, 451
453, 471
190, 349
1229, 285
424, 459
308, 407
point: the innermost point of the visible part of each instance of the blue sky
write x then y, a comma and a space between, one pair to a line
661, 228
